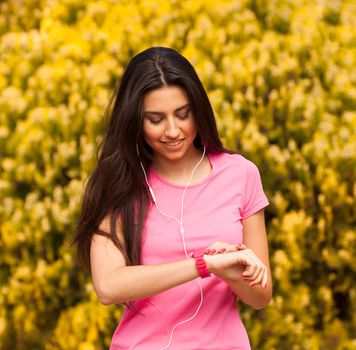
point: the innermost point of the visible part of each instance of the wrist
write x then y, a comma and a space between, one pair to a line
209, 262
200, 264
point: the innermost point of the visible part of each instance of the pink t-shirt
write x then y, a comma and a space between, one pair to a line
213, 210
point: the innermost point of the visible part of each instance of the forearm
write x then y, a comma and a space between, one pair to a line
229, 268
255, 296
129, 283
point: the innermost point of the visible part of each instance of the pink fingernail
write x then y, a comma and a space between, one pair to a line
207, 251
222, 250
213, 251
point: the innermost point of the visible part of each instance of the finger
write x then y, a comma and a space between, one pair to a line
259, 278
256, 273
254, 258
230, 248
265, 273
265, 278
212, 249
244, 258
254, 270
247, 259
249, 272
227, 249
217, 245
241, 246
219, 248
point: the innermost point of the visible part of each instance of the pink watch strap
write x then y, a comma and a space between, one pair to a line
201, 264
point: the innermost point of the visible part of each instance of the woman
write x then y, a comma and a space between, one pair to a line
172, 224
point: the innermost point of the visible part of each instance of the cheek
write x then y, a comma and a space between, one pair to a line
193, 130
150, 134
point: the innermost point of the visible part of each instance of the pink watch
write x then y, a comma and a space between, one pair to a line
200, 263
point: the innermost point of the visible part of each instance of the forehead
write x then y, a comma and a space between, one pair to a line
165, 99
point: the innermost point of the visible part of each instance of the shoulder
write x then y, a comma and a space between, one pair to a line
104, 229
233, 161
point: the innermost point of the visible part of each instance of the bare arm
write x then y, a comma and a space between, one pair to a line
255, 238
116, 283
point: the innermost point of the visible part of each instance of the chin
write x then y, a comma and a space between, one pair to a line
173, 156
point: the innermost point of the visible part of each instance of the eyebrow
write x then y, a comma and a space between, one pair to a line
160, 113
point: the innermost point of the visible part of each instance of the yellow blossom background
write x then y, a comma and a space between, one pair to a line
281, 76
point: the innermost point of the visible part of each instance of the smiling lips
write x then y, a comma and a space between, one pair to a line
174, 143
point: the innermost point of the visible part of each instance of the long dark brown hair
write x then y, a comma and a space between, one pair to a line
116, 186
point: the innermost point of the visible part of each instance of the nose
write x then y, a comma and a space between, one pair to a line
172, 130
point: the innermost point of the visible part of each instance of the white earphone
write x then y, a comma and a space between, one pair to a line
180, 223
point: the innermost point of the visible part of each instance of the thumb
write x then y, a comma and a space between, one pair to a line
241, 246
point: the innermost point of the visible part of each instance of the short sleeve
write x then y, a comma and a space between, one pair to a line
254, 196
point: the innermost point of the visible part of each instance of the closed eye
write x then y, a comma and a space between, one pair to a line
184, 116
155, 121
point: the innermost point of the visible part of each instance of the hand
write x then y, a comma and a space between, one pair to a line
220, 248
241, 263
256, 273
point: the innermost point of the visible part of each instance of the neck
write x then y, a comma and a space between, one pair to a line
179, 171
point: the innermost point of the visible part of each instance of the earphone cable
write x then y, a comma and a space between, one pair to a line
182, 205
180, 223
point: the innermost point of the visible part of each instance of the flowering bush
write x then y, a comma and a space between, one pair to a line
281, 78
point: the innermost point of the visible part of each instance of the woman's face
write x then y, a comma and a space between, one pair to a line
169, 127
